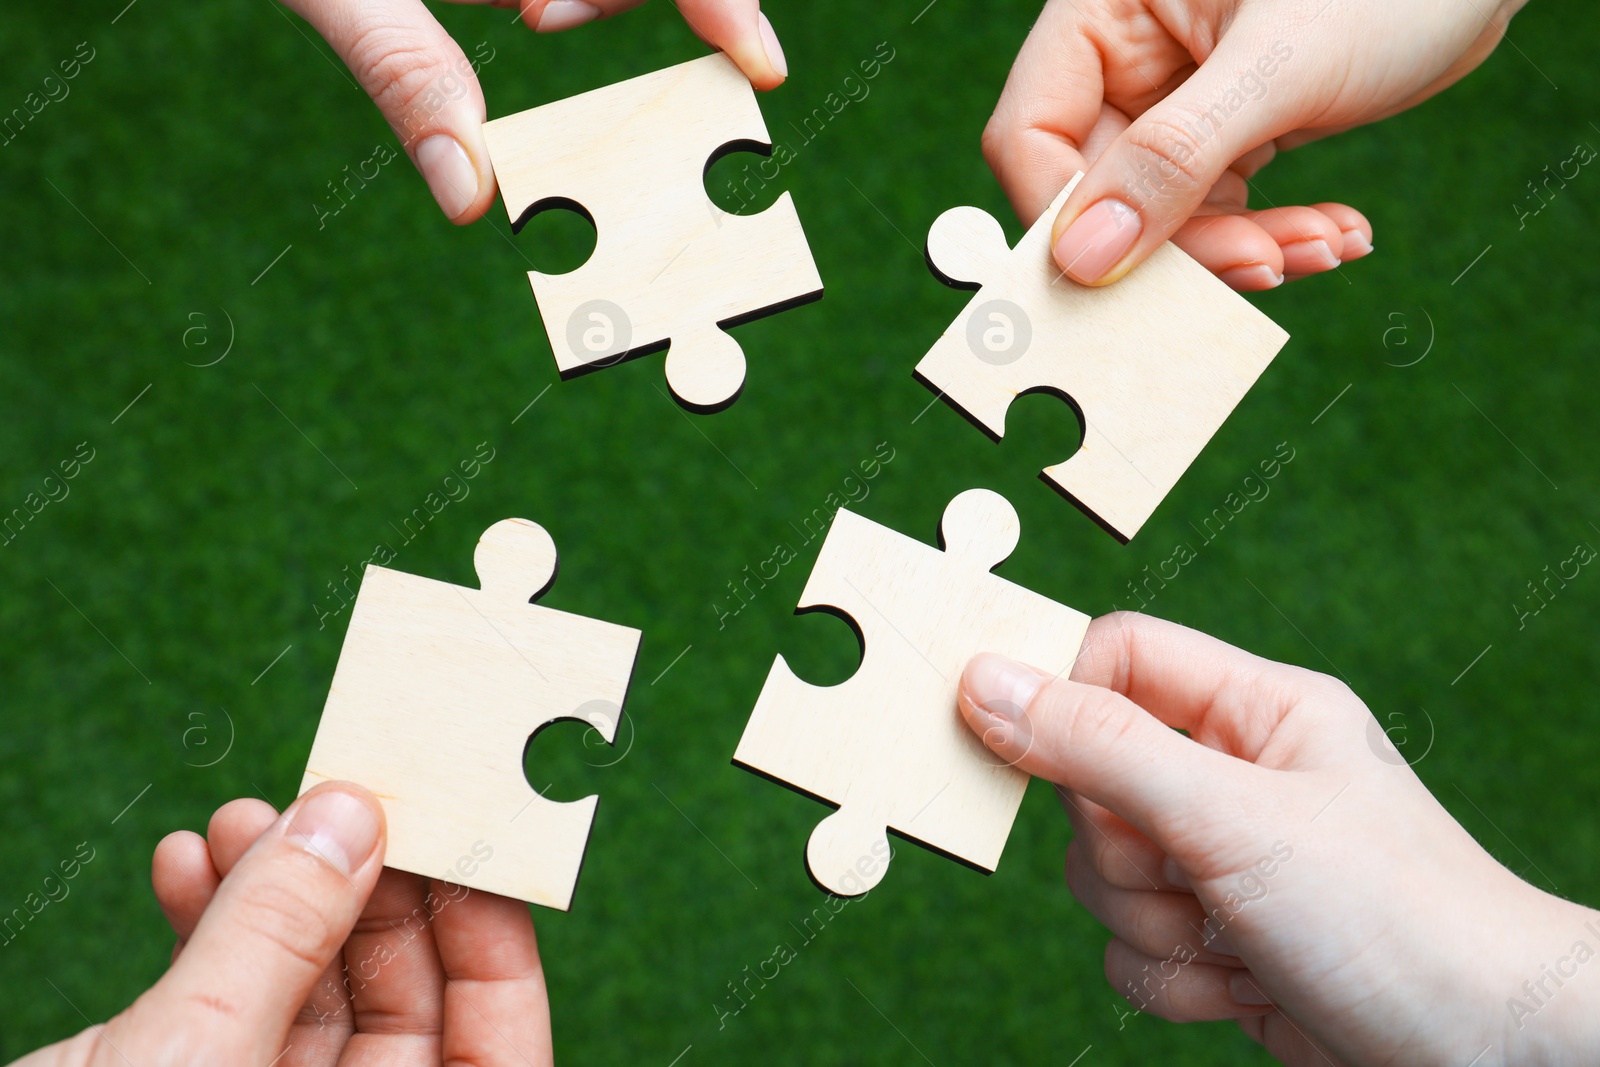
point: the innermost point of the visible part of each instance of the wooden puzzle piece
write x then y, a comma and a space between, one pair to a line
436, 695
1153, 364
669, 267
888, 745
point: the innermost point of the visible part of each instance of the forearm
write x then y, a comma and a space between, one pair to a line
1550, 1010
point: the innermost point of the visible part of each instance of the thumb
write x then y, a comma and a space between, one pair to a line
742, 30
425, 86
276, 922
737, 27
1159, 170
1095, 742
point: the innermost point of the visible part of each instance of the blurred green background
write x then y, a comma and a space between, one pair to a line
141, 613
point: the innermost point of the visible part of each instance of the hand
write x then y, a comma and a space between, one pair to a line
296, 948
428, 89
1169, 106
1273, 868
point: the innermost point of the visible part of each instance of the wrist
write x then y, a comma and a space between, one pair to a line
1546, 1002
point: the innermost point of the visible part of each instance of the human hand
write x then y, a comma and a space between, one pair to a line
428, 89
1169, 106
1281, 867
296, 947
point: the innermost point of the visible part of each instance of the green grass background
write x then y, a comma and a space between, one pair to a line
197, 142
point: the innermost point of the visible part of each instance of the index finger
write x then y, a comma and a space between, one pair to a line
1223, 696
736, 27
1048, 112
496, 1010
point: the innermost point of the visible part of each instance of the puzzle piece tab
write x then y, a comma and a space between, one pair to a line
669, 267
888, 745
437, 692
1153, 363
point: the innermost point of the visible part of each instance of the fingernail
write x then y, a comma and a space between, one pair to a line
1251, 279
564, 14
769, 41
1242, 987
1097, 240
1002, 687
336, 826
1174, 875
1308, 257
451, 177
1356, 245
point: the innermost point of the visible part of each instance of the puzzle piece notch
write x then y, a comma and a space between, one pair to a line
887, 746
1153, 365
558, 762
438, 692
979, 530
559, 237
669, 268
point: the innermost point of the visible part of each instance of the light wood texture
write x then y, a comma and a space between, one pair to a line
437, 691
1154, 363
668, 264
888, 745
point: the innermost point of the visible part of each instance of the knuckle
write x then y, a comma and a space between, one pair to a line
1106, 859
223, 1011
1297, 683
1163, 149
1079, 869
994, 140
287, 920
397, 67
1096, 853
1099, 722
1338, 689
1146, 919
1023, 148
1107, 653
1190, 1000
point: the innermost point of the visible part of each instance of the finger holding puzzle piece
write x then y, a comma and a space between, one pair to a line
669, 268
1153, 364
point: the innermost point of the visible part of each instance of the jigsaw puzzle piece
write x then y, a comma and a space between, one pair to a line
436, 694
887, 745
669, 267
1153, 364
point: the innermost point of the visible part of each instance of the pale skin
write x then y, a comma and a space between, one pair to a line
1386, 935
1121, 90
427, 88
1168, 106
1359, 923
296, 947
1277, 866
